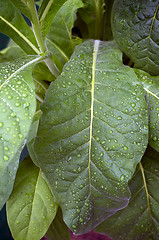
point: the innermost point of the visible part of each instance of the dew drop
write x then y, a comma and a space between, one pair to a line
1, 124
119, 118
125, 148
6, 158
20, 135
122, 177
17, 104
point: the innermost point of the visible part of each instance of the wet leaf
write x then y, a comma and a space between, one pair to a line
91, 134
31, 206
135, 26
17, 107
139, 220
151, 86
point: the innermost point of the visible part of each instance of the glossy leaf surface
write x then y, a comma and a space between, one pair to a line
151, 86
31, 206
59, 39
135, 26
13, 25
139, 220
17, 107
58, 229
91, 134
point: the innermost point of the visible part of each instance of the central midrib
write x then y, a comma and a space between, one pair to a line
95, 52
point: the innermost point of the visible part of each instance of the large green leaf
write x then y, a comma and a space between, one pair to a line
13, 25
135, 26
31, 206
92, 134
47, 12
58, 229
59, 39
140, 219
17, 107
151, 86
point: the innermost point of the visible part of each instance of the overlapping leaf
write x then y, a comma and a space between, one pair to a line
13, 25
23, 7
92, 134
17, 107
59, 39
151, 86
140, 219
31, 206
47, 12
135, 26
58, 229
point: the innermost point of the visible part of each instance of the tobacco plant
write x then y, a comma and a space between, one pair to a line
79, 86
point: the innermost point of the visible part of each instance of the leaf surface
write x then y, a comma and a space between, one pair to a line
59, 39
17, 107
91, 136
31, 206
13, 25
140, 219
151, 86
58, 229
135, 26
47, 12
23, 7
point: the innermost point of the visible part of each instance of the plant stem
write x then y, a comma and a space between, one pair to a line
99, 19
52, 67
36, 26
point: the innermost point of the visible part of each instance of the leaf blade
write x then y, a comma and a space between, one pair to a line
93, 181
34, 199
139, 220
17, 104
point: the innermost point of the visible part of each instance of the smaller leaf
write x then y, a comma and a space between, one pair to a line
31, 206
151, 86
23, 7
59, 39
47, 12
139, 220
58, 229
13, 25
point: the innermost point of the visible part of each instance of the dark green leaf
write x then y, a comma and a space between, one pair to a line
23, 7
91, 135
47, 12
135, 26
13, 25
151, 86
17, 107
59, 39
31, 206
32, 134
58, 229
140, 219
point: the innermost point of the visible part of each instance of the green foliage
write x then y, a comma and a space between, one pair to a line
139, 220
32, 206
87, 109
89, 129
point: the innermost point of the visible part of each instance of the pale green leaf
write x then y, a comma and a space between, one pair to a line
13, 25
135, 26
140, 219
58, 229
17, 107
91, 135
59, 39
151, 86
31, 206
